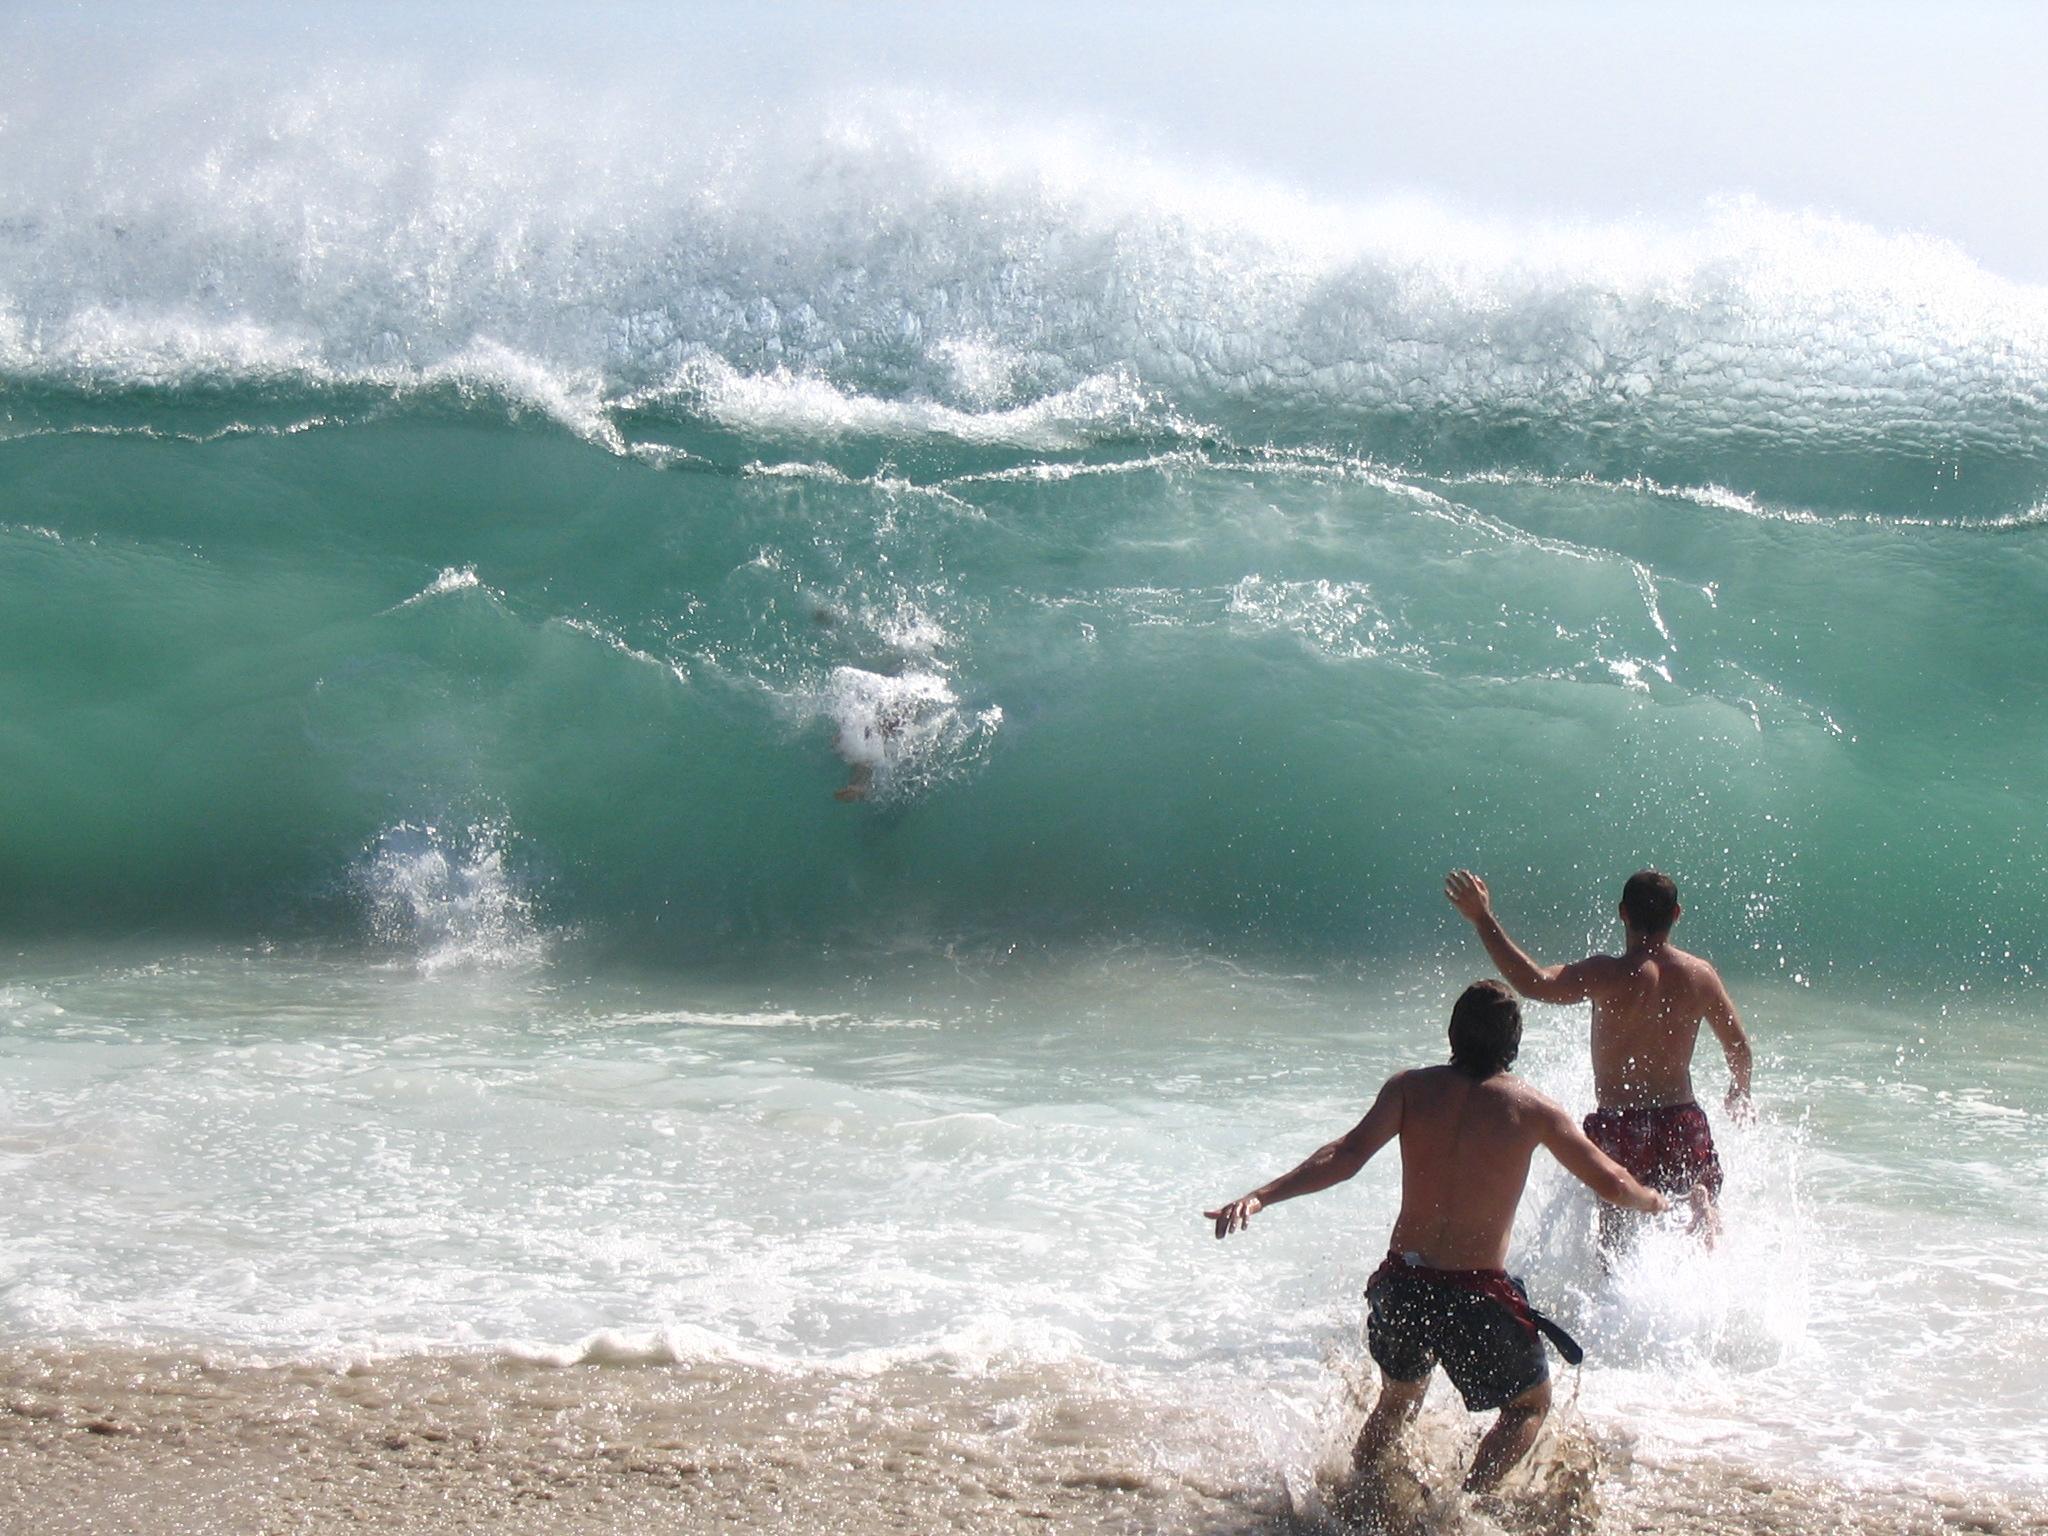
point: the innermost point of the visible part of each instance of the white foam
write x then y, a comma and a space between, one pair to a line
618, 643
1338, 618
1720, 498
781, 402
453, 578
672, 1345
781, 1018
23, 1007
307, 1157
909, 268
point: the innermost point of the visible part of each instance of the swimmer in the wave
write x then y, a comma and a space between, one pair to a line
1467, 1132
1648, 1004
879, 717
866, 745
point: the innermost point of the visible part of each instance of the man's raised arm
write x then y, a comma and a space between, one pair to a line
1327, 1165
1545, 983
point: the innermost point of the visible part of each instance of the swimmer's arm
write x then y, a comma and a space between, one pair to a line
1594, 1168
1544, 983
1327, 1165
1726, 1024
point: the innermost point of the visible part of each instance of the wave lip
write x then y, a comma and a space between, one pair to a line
780, 403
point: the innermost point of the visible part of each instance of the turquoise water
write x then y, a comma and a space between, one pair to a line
1254, 556
447, 566
1237, 697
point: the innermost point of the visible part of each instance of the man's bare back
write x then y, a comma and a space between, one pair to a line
1648, 1005
1467, 1134
1465, 1151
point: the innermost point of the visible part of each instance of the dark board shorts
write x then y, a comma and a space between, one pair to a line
1491, 1356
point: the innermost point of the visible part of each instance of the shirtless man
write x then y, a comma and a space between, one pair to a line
1648, 1004
1467, 1133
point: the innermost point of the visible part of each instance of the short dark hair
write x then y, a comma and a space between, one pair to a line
1651, 902
1486, 1030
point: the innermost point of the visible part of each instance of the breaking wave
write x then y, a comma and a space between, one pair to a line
899, 268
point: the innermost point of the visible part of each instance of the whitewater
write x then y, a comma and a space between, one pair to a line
681, 780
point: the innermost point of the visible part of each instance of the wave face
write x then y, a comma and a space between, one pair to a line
433, 528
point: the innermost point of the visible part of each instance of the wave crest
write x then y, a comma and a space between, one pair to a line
899, 268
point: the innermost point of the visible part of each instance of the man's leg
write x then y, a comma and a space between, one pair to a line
1396, 1406
1509, 1439
1706, 1215
1616, 1133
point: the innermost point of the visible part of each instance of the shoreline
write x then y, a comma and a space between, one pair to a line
111, 1439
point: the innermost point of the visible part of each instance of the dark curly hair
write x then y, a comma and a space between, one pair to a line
1486, 1030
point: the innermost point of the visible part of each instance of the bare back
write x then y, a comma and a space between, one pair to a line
1648, 1005
1465, 1149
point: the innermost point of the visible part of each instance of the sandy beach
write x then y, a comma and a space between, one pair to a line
151, 1444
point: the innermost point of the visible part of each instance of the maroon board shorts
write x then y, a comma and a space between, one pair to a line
1669, 1147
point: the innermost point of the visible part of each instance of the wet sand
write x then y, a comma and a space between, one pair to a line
120, 1441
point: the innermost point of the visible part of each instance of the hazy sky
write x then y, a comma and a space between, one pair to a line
1925, 117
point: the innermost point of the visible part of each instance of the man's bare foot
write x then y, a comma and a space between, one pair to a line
846, 794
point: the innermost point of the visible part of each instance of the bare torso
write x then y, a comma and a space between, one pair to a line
1647, 1009
1465, 1149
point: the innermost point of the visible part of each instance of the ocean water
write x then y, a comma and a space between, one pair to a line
451, 554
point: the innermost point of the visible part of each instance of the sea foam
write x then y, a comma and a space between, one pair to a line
895, 265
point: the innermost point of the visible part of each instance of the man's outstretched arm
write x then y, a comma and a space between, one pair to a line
1594, 1168
1327, 1165
1544, 983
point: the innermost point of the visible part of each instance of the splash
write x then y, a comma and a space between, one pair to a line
901, 735
442, 896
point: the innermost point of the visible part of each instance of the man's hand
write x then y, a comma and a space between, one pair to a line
1468, 894
1741, 1109
1233, 1217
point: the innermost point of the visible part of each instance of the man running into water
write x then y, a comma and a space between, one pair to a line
1648, 1004
1467, 1133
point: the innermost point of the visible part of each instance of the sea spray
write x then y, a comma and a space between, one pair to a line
444, 896
883, 265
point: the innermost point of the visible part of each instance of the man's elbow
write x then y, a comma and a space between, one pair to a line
1345, 1161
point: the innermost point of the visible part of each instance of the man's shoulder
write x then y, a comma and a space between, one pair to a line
1522, 1104
1419, 1087
1698, 967
1598, 969
1521, 1090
